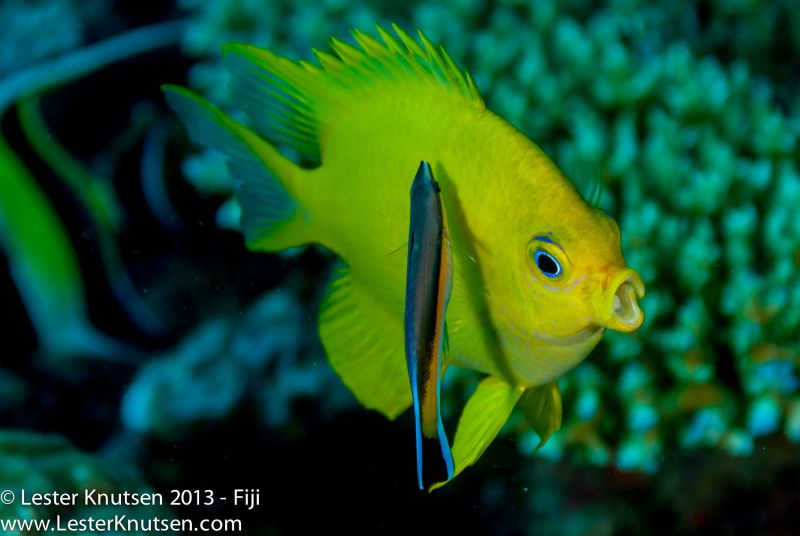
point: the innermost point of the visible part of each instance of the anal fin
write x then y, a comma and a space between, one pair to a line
361, 340
542, 409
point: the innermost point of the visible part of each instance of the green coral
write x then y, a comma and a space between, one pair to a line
700, 157
263, 360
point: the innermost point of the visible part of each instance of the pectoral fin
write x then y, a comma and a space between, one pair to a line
542, 409
484, 415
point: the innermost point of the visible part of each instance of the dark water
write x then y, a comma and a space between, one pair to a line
175, 359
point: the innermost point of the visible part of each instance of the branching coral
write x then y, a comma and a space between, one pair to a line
216, 370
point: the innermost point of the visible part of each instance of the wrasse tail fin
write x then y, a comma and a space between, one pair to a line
542, 409
357, 334
272, 218
486, 412
434, 459
429, 281
295, 102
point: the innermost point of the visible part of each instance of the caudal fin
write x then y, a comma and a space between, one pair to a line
266, 182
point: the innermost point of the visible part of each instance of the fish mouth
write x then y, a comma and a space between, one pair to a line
619, 304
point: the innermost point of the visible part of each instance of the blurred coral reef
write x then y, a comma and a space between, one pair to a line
43, 464
689, 115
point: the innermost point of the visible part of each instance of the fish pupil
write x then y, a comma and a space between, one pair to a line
548, 265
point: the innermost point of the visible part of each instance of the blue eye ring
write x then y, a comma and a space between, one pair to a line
547, 264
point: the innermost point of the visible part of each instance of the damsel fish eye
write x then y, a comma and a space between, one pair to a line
547, 264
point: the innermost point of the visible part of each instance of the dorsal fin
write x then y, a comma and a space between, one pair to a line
291, 102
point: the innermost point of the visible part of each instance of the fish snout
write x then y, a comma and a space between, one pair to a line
618, 304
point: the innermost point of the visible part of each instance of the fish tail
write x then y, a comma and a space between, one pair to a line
267, 183
434, 460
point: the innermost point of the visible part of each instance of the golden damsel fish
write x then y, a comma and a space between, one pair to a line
537, 273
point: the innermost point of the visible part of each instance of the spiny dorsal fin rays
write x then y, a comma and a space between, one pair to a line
370, 45
411, 45
391, 43
350, 55
420, 62
329, 63
295, 102
431, 60
437, 64
464, 79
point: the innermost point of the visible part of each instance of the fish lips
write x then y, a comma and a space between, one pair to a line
617, 305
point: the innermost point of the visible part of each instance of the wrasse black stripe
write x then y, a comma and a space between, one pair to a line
428, 285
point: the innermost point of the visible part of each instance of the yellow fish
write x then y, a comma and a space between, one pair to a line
537, 273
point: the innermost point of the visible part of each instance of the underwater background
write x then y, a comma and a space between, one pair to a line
144, 348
